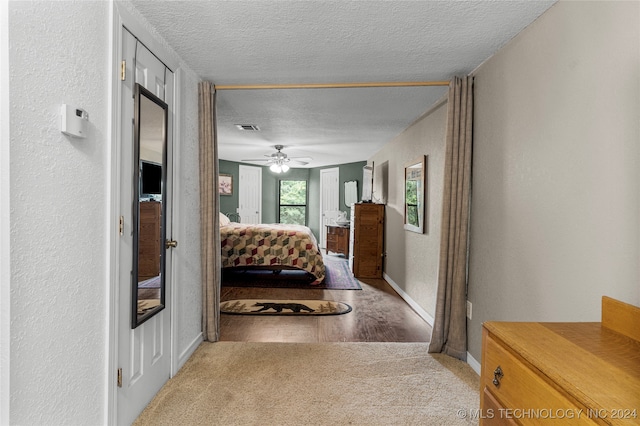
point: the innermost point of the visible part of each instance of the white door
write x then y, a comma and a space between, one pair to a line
150, 72
144, 354
250, 194
329, 200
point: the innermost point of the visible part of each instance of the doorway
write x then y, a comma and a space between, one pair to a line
329, 200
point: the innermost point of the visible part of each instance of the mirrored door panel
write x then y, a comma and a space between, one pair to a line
149, 206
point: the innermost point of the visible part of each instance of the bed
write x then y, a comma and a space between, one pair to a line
274, 246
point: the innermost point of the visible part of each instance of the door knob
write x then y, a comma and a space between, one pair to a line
171, 244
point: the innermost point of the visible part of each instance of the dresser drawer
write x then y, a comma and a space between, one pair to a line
522, 393
491, 413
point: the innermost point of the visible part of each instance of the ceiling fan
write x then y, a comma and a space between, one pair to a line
278, 160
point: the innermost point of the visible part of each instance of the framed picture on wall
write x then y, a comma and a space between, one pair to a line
225, 184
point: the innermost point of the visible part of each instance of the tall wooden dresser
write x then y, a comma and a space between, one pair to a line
367, 230
581, 373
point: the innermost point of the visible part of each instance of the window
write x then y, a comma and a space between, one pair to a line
292, 202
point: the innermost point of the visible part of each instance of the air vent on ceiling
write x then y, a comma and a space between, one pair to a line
249, 127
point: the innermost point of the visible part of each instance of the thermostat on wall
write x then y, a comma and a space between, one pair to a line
73, 121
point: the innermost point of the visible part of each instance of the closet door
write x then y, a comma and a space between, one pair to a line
144, 352
329, 200
250, 194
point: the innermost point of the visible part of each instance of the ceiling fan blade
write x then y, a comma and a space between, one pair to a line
302, 163
282, 157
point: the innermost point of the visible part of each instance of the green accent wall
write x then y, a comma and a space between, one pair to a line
270, 181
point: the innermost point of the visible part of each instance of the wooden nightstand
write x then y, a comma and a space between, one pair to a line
338, 239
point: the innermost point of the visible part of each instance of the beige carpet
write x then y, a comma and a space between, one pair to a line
234, 383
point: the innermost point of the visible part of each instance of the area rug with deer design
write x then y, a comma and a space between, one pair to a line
337, 277
284, 307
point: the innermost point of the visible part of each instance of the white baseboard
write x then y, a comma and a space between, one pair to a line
473, 363
186, 354
419, 310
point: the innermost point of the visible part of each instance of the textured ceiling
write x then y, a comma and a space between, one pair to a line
282, 42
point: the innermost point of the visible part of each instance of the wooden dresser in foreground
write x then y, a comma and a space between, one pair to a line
563, 373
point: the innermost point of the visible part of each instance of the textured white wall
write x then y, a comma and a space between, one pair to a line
5, 215
188, 287
59, 54
412, 258
555, 209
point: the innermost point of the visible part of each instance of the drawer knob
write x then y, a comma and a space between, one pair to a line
497, 375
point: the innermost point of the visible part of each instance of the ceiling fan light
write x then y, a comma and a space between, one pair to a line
275, 168
285, 168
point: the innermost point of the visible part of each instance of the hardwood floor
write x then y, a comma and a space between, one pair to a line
378, 315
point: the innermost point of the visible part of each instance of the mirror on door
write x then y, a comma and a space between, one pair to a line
149, 208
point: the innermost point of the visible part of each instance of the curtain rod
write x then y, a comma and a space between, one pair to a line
329, 85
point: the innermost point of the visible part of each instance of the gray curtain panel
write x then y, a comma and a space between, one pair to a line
449, 334
210, 235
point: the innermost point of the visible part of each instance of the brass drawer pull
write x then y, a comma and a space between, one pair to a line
497, 375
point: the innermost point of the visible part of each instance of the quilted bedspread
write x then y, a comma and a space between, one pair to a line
271, 245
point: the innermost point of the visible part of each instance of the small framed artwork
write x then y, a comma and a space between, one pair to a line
225, 184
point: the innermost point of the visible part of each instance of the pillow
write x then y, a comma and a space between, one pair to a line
224, 220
